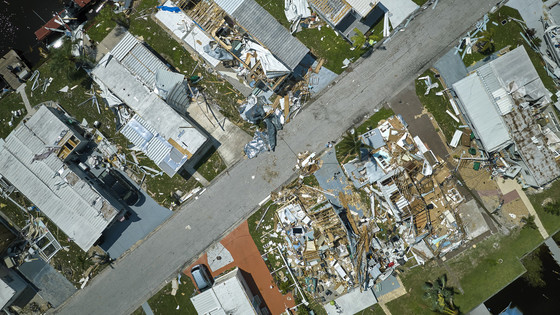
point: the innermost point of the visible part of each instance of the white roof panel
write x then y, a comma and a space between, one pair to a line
362, 7
74, 208
482, 113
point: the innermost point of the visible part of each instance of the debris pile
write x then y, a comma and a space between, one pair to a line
333, 244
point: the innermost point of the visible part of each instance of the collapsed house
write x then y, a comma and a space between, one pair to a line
507, 107
245, 37
39, 159
335, 245
551, 26
155, 117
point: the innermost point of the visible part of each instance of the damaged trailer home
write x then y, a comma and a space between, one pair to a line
247, 38
509, 111
334, 245
151, 102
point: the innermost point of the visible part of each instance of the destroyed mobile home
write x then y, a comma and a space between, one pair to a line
509, 111
334, 243
244, 43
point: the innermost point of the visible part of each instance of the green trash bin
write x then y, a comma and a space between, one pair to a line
472, 151
476, 166
472, 135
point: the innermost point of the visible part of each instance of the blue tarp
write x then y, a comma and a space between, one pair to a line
170, 9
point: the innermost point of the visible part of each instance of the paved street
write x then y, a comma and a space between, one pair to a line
231, 199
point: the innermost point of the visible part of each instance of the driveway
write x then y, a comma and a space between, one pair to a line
236, 193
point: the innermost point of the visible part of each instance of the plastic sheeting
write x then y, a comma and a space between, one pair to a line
296, 9
257, 145
218, 53
272, 67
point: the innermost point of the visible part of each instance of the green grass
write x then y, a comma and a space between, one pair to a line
509, 34
8, 103
332, 47
102, 24
268, 220
550, 222
437, 105
479, 269
373, 120
139, 311
373, 310
164, 303
327, 44
420, 2
211, 165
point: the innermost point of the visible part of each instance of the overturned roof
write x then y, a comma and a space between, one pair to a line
332, 10
266, 29
67, 200
157, 116
362, 7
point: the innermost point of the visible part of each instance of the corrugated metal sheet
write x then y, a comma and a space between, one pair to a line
362, 7
264, 27
73, 208
503, 100
124, 46
138, 59
156, 148
229, 6
333, 10
206, 302
488, 77
482, 113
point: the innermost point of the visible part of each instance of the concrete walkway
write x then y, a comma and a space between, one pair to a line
509, 185
147, 309
554, 249
21, 91
395, 294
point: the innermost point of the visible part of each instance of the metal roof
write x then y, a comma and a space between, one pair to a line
228, 295
77, 209
138, 59
175, 129
53, 286
373, 138
229, 6
332, 10
362, 7
268, 31
482, 114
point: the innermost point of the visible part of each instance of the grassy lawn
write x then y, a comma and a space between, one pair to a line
102, 24
509, 34
437, 105
482, 271
211, 165
164, 303
10, 102
550, 222
374, 310
324, 43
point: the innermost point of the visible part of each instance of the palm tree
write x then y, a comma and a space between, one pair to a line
486, 42
350, 145
440, 296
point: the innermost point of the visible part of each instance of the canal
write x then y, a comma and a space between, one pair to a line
19, 19
528, 298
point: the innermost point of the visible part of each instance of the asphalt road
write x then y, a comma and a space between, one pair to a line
236, 194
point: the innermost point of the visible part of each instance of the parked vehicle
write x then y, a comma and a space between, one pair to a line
202, 277
120, 186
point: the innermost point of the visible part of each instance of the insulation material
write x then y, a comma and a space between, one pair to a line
272, 67
296, 9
